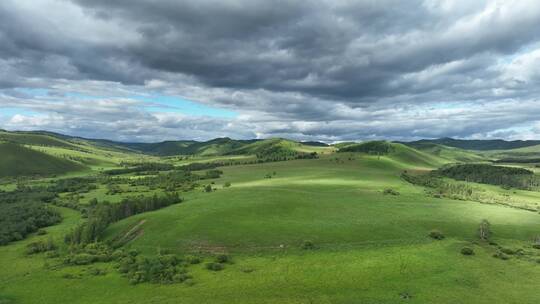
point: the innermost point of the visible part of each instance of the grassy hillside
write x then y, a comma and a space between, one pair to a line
446, 152
33, 138
17, 160
522, 155
480, 145
214, 147
278, 146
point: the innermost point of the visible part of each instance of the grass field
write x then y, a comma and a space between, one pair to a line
370, 246
17, 160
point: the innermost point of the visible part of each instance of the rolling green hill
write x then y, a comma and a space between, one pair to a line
34, 138
480, 145
17, 160
214, 147
340, 228
446, 152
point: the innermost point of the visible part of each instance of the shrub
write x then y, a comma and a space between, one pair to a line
536, 242
80, 259
222, 258
226, 185
52, 254
390, 191
41, 232
208, 188
191, 259
308, 245
97, 271
436, 234
68, 276
508, 251
467, 251
500, 255
40, 246
181, 277
214, 266
247, 270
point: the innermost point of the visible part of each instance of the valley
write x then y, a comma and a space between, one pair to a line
267, 221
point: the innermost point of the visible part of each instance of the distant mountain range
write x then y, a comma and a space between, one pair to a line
476, 144
223, 146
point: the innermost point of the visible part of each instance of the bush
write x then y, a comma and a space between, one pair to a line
390, 191
214, 266
436, 234
467, 251
41, 232
222, 258
40, 246
96, 271
247, 269
226, 185
508, 251
181, 277
501, 255
308, 245
80, 259
191, 259
52, 254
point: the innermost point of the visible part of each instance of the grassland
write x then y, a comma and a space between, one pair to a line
370, 245
17, 160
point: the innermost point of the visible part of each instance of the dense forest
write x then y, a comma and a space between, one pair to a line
508, 177
20, 219
372, 147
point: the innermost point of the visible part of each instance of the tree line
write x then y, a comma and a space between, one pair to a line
100, 215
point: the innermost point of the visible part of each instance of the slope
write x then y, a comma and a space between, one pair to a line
450, 153
480, 145
17, 160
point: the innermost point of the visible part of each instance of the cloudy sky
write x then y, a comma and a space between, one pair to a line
142, 70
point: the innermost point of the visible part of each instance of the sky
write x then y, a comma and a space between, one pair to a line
146, 71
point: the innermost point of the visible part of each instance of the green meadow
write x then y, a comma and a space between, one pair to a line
343, 227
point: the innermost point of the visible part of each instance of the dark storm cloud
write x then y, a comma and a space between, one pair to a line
347, 50
306, 69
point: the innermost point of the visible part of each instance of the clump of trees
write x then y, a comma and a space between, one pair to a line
163, 269
438, 186
142, 167
170, 181
102, 214
40, 246
27, 194
17, 220
219, 262
211, 174
76, 185
509, 177
371, 147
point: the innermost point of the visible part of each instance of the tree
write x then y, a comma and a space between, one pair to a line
484, 231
